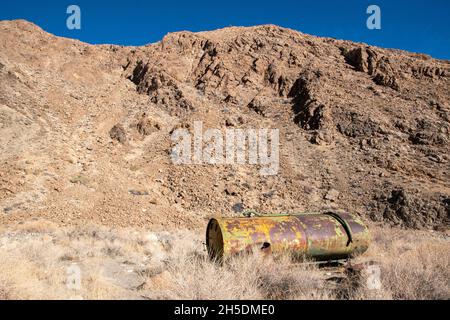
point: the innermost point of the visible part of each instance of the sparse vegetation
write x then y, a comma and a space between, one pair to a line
135, 167
80, 179
413, 265
131, 263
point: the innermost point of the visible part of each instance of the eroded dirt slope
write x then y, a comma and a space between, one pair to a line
85, 130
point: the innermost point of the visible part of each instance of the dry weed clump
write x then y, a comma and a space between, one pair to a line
249, 276
136, 264
423, 273
414, 265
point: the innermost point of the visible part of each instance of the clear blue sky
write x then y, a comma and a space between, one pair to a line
418, 26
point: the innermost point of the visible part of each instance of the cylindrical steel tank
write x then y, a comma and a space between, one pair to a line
320, 236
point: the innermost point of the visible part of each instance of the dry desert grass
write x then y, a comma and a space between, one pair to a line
138, 264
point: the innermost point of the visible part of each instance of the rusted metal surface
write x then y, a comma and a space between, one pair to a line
321, 236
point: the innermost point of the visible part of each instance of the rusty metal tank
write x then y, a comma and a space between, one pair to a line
320, 236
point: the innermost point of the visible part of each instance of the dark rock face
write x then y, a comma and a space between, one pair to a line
414, 209
375, 65
118, 133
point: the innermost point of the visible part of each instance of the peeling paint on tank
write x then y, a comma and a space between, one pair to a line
320, 236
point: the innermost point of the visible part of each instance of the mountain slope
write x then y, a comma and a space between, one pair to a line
85, 130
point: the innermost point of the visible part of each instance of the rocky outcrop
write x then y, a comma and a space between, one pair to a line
377, 66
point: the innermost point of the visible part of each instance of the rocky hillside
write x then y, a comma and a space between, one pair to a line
85, 129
